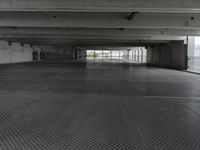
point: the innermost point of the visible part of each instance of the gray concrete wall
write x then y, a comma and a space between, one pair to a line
58, 53
15, 53
170, 55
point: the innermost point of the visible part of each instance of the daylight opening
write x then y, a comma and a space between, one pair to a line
134, 55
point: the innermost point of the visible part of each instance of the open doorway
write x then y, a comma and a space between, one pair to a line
134, 55
194, 54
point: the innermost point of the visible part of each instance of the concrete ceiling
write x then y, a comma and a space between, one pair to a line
98, 22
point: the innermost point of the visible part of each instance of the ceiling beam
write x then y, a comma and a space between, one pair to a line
92, 37
100, 20
86, 42
177, 6
98, 31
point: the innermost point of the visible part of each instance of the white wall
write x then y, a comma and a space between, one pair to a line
15, 53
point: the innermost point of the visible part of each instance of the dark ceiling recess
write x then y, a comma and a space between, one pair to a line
132, 15
192, 18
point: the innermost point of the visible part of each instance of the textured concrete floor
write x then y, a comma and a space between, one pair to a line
57, 106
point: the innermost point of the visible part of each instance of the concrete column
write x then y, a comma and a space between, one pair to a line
135, 55
142, 55
102, 56
73, 55
132, 54
138, 55
94, 56
39, 53
110, 55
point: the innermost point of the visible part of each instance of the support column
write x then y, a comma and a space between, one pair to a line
142, 55
119, 57
110, 55
39, 50
102, 56
132, 54
135, 55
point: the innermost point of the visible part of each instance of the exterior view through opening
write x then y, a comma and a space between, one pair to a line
134, 55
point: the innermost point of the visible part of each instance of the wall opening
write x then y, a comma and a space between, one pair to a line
134, 55
194, 54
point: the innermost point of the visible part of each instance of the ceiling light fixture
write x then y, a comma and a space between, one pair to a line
132, 15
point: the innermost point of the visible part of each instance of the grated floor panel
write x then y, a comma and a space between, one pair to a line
57, 106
